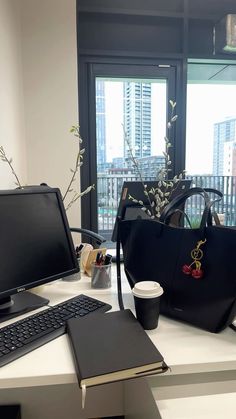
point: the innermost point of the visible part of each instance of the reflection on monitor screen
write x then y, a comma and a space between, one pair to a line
35, 246
129, 210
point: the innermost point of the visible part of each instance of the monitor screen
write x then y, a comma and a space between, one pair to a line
127, 209
35, 241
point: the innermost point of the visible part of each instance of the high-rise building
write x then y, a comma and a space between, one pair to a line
151, 166
229, 168
224, 138
100, 125
137, 119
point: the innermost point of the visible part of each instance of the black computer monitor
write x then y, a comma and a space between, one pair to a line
128, 209
36, 246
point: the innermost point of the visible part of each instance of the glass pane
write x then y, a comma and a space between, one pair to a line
133, 110
211, 132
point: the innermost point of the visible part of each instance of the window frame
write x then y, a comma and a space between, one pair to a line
91, 67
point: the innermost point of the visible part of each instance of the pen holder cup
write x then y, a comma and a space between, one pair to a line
101, 276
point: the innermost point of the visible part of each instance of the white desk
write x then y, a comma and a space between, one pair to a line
44, 381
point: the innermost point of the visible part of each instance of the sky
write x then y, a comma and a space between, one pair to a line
206, 105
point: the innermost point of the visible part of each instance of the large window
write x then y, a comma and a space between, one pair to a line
128, 111
211, 130
134, 109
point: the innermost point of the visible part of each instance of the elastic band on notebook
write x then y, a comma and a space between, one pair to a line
83, 395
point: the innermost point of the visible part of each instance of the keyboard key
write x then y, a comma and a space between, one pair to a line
25, 335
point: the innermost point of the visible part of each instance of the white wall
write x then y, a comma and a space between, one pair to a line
12, 132
38, 93
50, 90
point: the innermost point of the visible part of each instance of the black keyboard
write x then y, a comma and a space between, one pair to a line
27, 334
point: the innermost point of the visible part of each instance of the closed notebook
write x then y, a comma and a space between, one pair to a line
112, 346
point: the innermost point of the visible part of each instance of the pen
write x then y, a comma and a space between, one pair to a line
107, 259
78, 250
98, 258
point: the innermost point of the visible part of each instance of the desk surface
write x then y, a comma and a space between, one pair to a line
185, 349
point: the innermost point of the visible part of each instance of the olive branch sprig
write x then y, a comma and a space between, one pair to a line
158, 197
7, 160
78, 163
145, 190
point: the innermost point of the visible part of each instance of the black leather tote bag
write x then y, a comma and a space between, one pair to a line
195, 266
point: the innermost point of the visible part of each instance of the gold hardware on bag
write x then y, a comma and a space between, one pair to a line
196, 255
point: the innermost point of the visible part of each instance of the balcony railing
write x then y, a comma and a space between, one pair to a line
109, 190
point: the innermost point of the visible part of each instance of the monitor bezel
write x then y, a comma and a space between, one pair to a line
43, 190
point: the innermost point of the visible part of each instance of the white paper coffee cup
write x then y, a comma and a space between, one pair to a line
147, 289
147, 303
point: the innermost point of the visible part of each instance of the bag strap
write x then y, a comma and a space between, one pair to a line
174, 205
212, 213
118, 272
179, 200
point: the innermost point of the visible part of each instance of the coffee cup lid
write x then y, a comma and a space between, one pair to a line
147, 289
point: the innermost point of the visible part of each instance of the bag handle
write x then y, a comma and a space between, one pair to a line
174, 205
118, 272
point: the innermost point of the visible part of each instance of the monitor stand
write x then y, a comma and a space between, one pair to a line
20, 303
